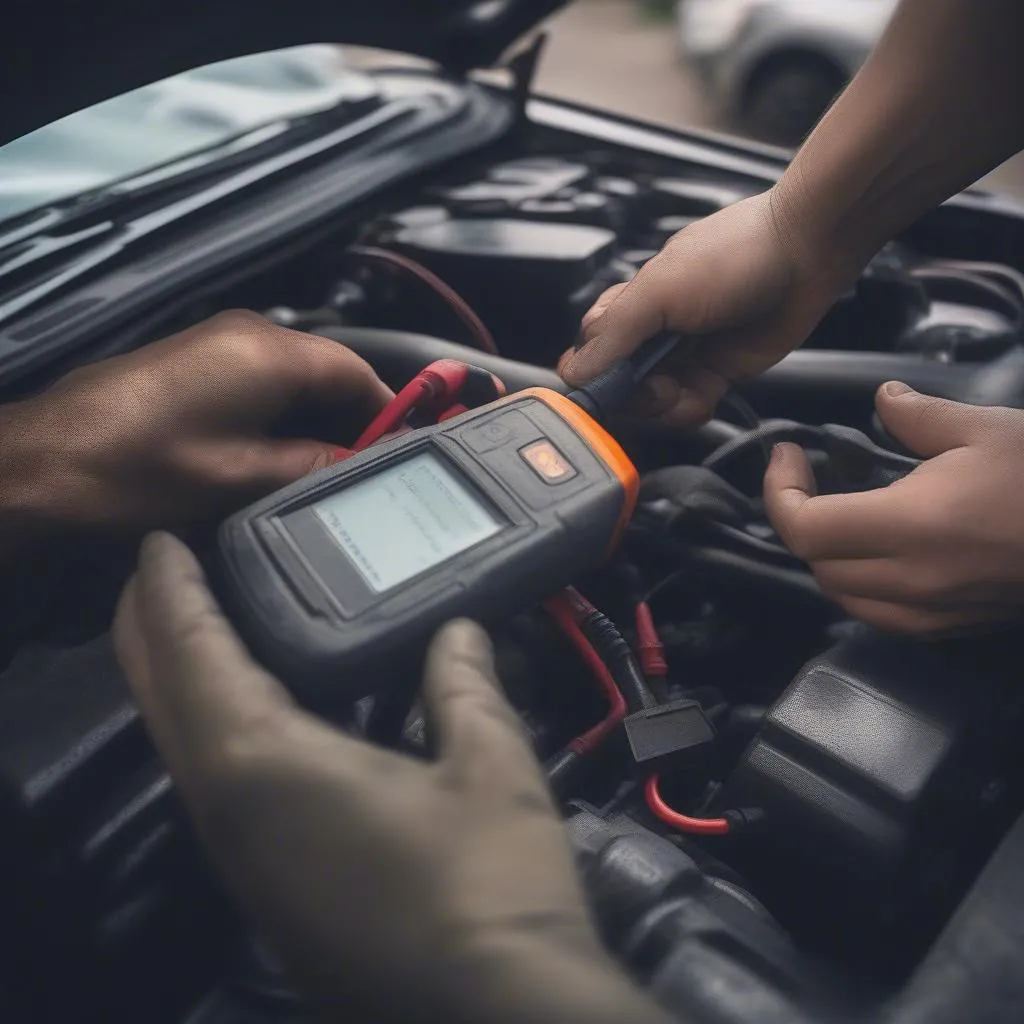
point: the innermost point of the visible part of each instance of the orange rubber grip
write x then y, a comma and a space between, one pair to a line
603, 445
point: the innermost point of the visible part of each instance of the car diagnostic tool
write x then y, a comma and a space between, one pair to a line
335, 580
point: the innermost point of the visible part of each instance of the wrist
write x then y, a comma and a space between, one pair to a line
810, 220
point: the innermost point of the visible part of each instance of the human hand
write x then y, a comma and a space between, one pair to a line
742, 286
405, 890
937, 551
179, 431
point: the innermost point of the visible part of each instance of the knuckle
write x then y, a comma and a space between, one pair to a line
787, 526
234, 320
230, 473
241, 335
191, 630
220, 468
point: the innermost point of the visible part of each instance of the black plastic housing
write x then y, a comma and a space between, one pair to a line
883, 774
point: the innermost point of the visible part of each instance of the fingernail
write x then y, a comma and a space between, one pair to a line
320, 462
895, 388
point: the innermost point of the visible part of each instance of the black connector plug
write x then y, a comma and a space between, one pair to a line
667, 736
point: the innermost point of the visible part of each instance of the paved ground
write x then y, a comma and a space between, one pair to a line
605, 53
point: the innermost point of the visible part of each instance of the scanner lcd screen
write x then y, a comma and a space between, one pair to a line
406, 519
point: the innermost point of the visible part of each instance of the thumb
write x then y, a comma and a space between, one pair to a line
480, 737
927, 425
633, 314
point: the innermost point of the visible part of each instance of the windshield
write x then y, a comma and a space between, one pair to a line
172, 119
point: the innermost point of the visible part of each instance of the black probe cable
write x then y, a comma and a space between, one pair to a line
610, 390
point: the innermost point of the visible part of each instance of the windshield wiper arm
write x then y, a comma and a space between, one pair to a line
118, 221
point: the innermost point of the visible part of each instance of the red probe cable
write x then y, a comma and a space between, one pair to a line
433, 390
462, 309
560, 609
393, 415
681, 822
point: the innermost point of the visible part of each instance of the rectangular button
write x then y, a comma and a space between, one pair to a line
494, 433
547, 462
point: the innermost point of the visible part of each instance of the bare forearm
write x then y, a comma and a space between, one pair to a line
25, 479
936, 106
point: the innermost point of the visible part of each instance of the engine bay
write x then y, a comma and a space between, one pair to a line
874, 777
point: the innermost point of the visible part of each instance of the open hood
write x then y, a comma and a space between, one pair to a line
61, 56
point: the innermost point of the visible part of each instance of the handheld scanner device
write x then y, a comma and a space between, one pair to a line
338, 581
481, 515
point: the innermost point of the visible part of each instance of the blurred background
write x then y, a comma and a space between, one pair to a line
761, 68
765, 69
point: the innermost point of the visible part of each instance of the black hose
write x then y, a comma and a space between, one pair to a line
754, 577
399, 355
767, 433
561, 769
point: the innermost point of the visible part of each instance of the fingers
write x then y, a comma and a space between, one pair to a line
273, 368
929, 579
275, 464
913, 620
927, 425
816, 528
331, 375
479, 734
700, 389
196, 684
619, 322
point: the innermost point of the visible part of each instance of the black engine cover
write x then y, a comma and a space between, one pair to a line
883, 772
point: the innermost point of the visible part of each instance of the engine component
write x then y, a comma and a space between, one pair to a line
880, 771
103, 885
554, 260
683, 930
517, 181
694, 198
970, 317
544, 188
559, 268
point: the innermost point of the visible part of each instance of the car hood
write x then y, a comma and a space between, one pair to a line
61, 56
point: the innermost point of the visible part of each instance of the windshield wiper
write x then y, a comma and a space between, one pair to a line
237, 151
76, 237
